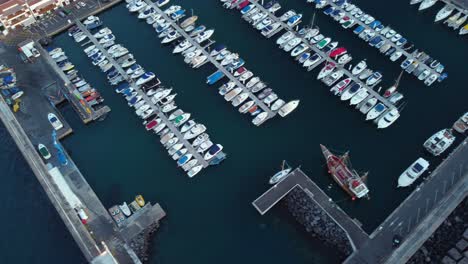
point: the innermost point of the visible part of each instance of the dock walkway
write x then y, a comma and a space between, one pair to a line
228, 74
81, 106
298, 179
325, 56
398, 48
156, 109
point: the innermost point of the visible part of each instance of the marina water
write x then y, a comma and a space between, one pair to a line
210, 217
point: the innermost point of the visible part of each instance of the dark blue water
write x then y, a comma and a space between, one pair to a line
210, 218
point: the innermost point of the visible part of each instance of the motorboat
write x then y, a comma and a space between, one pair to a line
361, 66
195, 170
304, 57
312, 60
245, 76
277, 105
359, 96
170, 37
252, 82
233, 93
286, 37
446, 11
185, 44
395, 56
426, 4
270, 99
187, 126
411, 174
195, 131
335, 53
204, 35
322, 43
145, 13
326, 70
101, 33
341, 86
439, 142
353, 90
374, 78
365, 74
184, 159
245, 107
294, 20
366, 107
299, 50
205, 146
258, 87
180, 120
258, 120
388, 119
376, 111
146, 77
344, 59
179, 153
136, 6
225, 88
292, 44
264, 23
279, 176
200, 139
172, 9
288, 108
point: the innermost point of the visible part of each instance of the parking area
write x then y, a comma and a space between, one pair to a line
57, 19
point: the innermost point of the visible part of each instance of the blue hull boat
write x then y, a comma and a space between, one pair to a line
213, 78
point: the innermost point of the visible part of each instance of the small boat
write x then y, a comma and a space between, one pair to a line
187, 126
175, 148
200, 139
245, 107
258, 120
252, 82
461, 125
277, 105
195, 131
44, 151
204, 146
314, 59
388, 119
370, 103
258, 87
446, 11
54, 121
146, 77
439, 142
161, 3
285, 38
195, 170
204, 35
188, 21
339, 87
125, 209
361, 66
326, 70
299, 49
184, 159
376, 111
182, 46
178, 121
413, 172
140, 201
245, 76
179, 154
322, 43
240, 99
288, 108
187, 166
353, 90
233, 93
365, 74
359, 97
279, 176
374, 78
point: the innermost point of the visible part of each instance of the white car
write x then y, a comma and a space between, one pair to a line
82, 4
54, 121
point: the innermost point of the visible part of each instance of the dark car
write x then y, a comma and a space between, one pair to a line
396, 241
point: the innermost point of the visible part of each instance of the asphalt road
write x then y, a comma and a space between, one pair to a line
420, 204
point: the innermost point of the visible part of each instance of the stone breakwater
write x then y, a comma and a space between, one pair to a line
317, 222
141, 243
449, 243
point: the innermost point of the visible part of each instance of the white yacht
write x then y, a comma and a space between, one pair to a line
361, 66
279, 176
359, 97
439, 142
388, 119
446, 11
426, 4
288, 108
258, 120
413, 172
376, 111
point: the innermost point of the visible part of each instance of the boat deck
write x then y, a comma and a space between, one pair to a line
398, 48
164, 118
228, 74
326, 58
298, 179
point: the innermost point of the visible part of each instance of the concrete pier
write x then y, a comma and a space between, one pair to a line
228, 74
417, 217
298, 179
326, 57
155, 107
81, 106
29, 127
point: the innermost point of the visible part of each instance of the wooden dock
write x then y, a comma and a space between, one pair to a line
227, 73
164, 118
